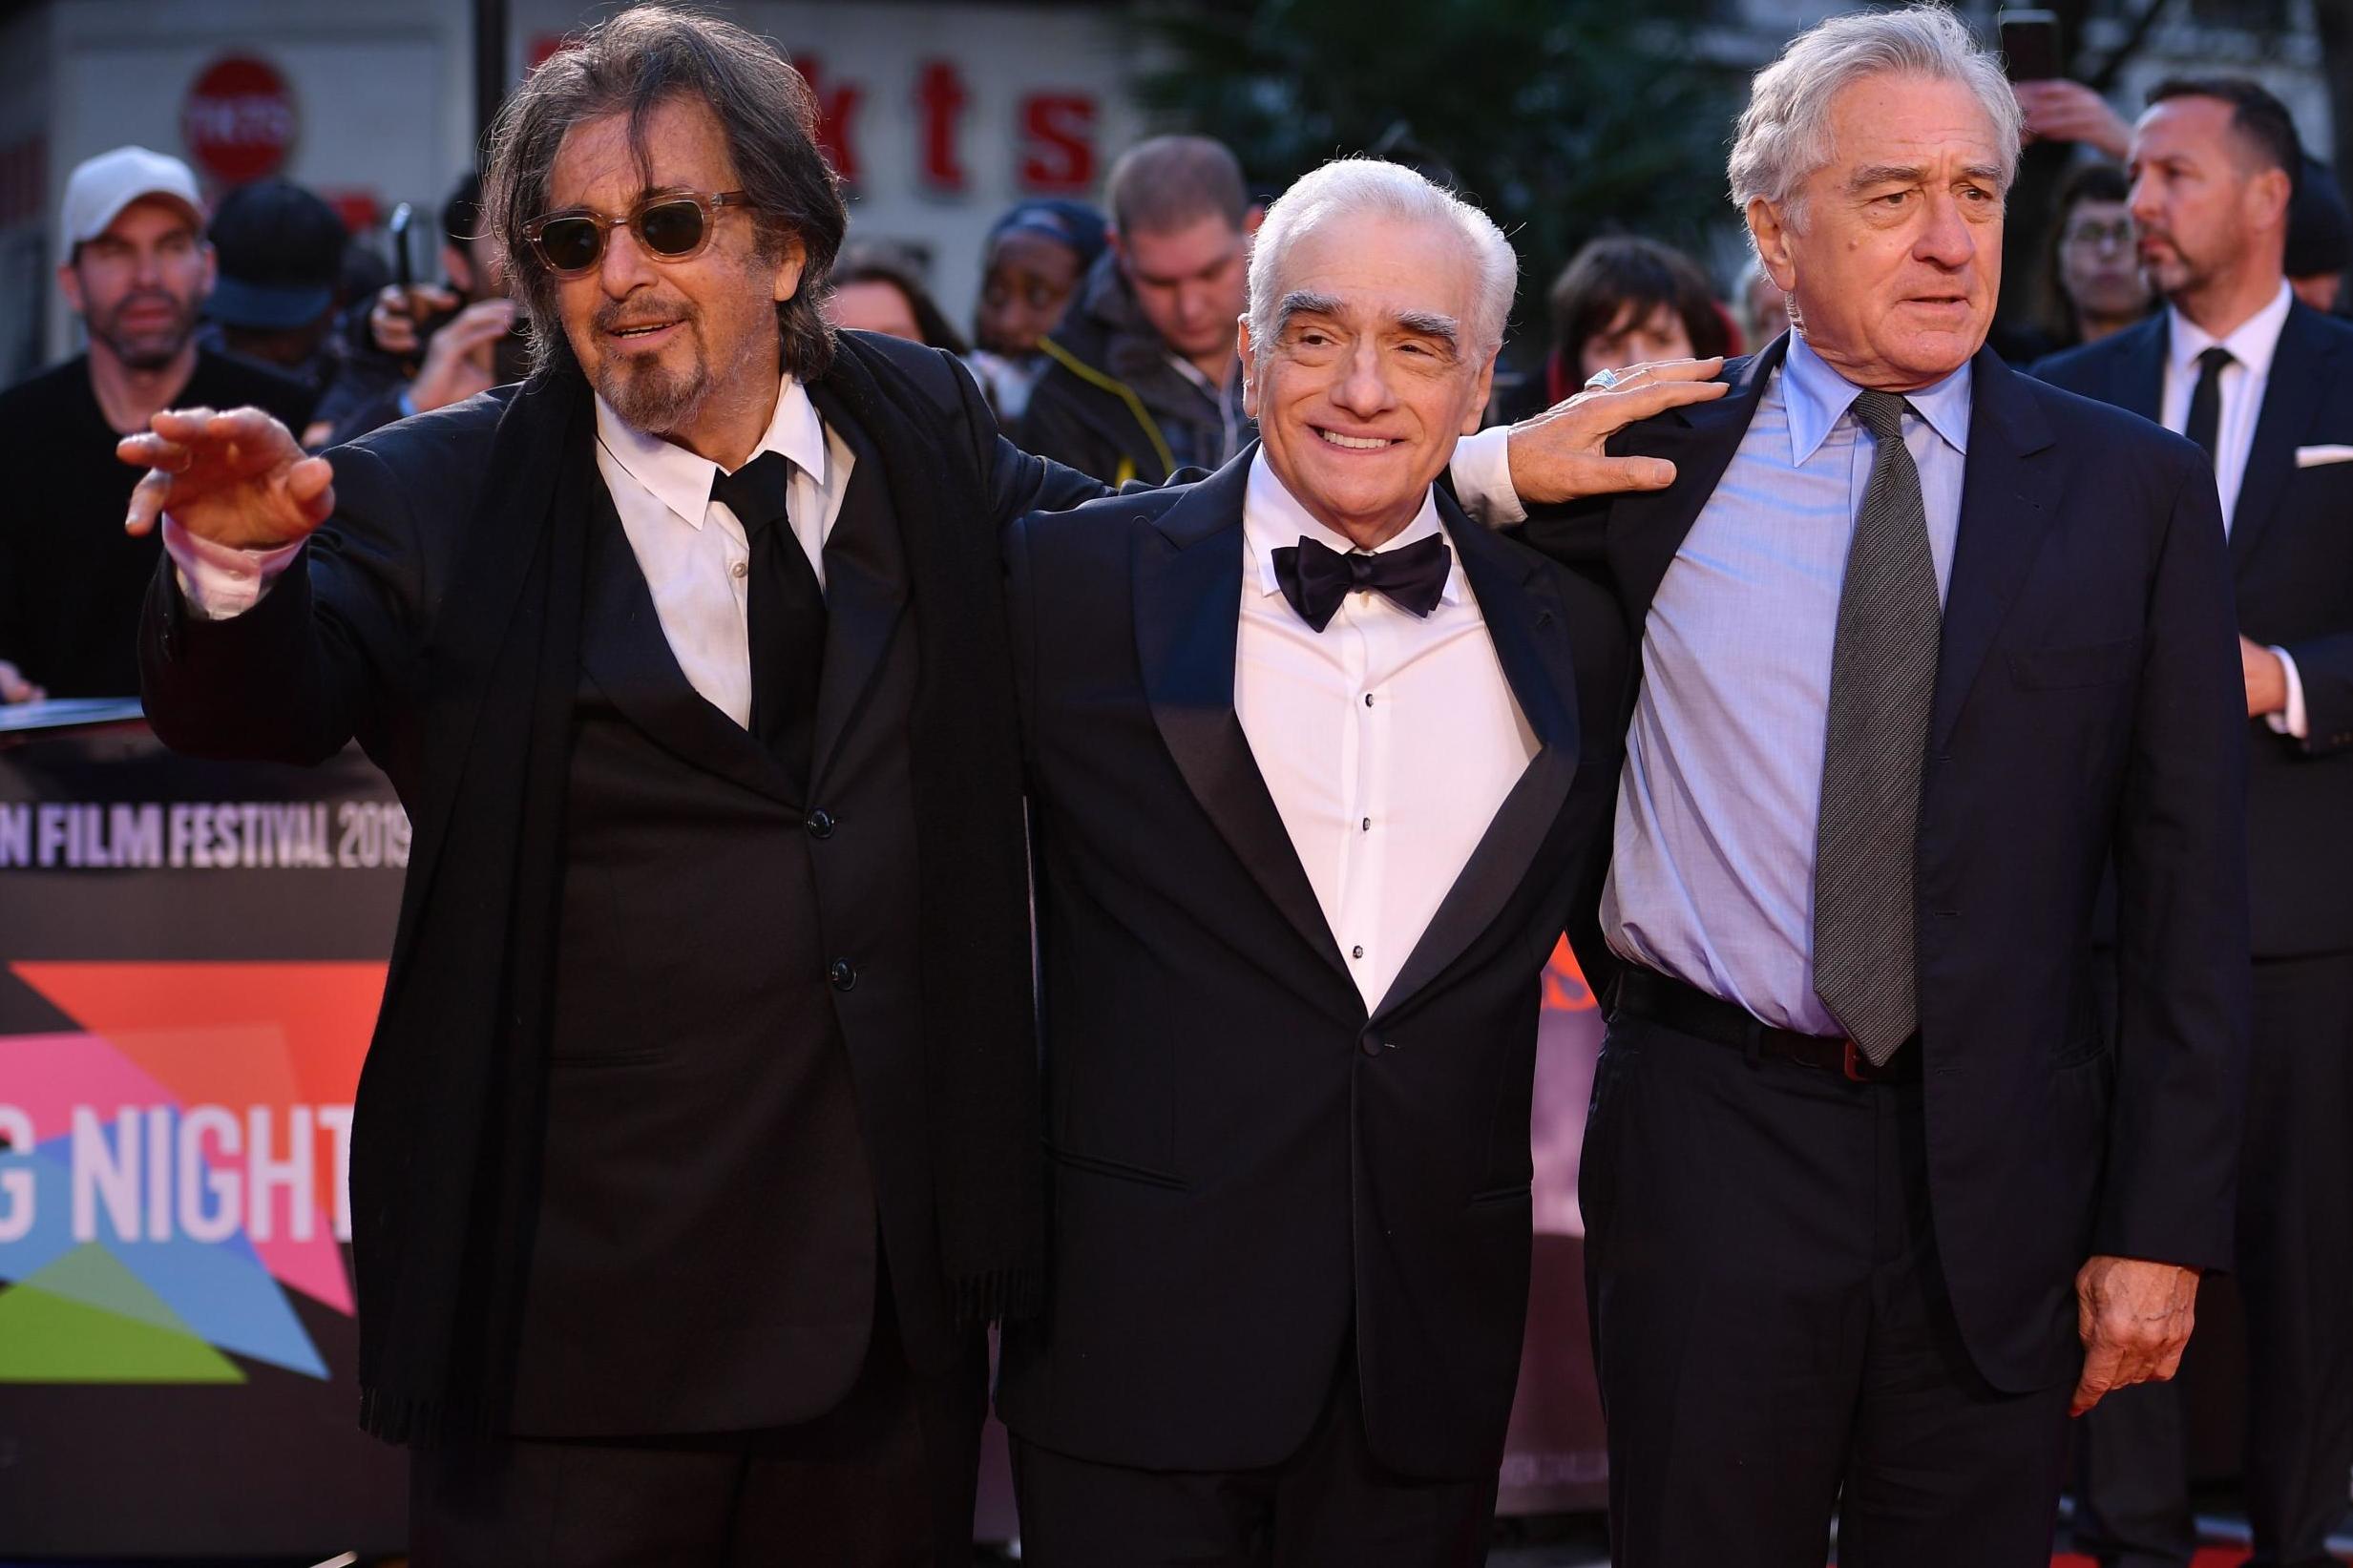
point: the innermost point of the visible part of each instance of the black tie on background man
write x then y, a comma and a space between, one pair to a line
1870, 1203
2264, 384
1313, 764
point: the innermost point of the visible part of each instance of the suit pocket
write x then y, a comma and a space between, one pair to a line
1119, 1170
1520, 1192
2081, 1053
2091, 664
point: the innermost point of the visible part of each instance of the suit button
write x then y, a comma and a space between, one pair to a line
820, 824
1370, 1045
844, 975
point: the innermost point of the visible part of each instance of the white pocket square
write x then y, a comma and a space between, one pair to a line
2312, 458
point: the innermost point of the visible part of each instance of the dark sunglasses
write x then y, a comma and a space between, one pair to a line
671, 226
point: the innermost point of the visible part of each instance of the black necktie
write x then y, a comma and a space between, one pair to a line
1316, 576
2206, 399
1883, 681
786, 611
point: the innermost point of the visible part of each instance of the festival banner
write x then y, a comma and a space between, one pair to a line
191, 959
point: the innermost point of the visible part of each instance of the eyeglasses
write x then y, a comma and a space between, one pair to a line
671, 225
2094, 236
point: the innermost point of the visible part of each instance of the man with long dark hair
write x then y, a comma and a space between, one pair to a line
698, 1138
696, 1143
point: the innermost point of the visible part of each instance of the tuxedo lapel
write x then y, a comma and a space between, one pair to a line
1646, 530
2300, 367
2007, 493
1188, 581
865, 591
1522, 607
624, 651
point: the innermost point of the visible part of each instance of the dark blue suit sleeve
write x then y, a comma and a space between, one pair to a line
2324, 664
2183, 980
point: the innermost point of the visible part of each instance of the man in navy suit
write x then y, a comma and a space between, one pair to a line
2264, 384
1872, 1199
1313, 764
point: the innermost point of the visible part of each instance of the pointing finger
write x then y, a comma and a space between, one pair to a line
311, 484
147, 503
1605, 475
153, 452
181, 424
1658, 396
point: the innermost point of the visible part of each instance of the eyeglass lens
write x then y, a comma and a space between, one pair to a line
666, 228
2098, 235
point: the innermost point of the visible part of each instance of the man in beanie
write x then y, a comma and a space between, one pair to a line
137, 270
279, 250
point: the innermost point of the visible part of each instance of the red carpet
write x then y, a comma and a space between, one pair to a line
2214, 1556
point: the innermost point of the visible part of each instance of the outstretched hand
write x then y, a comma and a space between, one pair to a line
1558, 455
236, 478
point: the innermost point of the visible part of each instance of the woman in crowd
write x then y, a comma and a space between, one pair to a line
2092, 280
876, 291
1624, 300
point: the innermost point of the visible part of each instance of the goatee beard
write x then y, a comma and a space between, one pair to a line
651, 399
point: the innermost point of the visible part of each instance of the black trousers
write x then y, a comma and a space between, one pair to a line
2295, 1268
1774, 1335
885, 1479
1331, 1505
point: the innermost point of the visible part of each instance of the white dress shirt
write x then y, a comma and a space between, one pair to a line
1387, 741
692, 548
2251, 346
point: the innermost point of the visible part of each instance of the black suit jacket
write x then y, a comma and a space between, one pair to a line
2290, 567
728, 1125
2087, 703
1251, 1178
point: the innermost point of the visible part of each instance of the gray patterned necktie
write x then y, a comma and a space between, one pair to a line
1882, 679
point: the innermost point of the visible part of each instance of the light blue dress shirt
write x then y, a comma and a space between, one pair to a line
1711, 879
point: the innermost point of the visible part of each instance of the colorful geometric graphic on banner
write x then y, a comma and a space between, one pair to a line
176, 1166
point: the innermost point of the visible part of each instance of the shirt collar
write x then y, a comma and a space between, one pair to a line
681, 480
1815, 396
2251, 345
1272, 517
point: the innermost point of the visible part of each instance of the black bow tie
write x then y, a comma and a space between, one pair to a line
1315, 577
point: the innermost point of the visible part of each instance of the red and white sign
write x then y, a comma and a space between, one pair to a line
238, 122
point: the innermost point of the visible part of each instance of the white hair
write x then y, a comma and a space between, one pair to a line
1350, 185
1784, 134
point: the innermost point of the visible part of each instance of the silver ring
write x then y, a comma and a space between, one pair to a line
1601, 381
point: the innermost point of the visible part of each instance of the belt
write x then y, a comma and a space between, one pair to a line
1646, 993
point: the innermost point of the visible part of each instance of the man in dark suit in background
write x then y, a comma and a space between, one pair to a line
2264, 386
1871, 1202
1313, 765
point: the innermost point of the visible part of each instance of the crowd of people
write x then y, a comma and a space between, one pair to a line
1062, 828
1103, 339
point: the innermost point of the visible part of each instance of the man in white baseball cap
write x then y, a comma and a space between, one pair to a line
137, 270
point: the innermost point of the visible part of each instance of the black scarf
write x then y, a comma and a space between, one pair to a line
448, 1136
